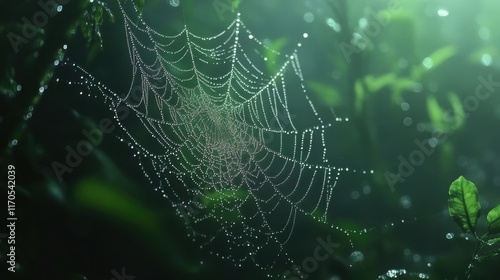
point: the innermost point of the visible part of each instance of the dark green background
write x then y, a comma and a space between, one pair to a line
104, 215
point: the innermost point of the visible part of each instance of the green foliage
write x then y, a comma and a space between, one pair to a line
139, 4
235, 4
493, 220
376, 84
434, 110
272, 54
116, 204
93, 18
464, 205
327, 93
458, 110
464, 208
360, 96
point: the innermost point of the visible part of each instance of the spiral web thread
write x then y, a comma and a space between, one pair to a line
230, 145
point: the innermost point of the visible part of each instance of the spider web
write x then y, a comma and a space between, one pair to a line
239, 149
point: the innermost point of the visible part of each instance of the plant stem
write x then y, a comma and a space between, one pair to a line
479, 246
58, 32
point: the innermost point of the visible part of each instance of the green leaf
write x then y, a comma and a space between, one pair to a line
493, 241
435, 111
435, 59
458, 110
376, 84
463, 204
401, 85
493, 220
327, 93
235, 4
441, 55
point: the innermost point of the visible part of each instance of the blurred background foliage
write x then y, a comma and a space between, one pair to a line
395, 86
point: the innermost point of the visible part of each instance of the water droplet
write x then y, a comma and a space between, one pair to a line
405, 106
407, 121
443, 13
433, 87
175, 3
405, 202
427, 62
433, 142
305, 35
309, 17
357, 256
367, 189
417, 87
363, 23
484, 33
355, 195
486, 59
333, 24
449, 235
13, 143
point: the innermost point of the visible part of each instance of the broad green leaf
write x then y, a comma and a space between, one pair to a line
327, 93
463, 204
493, 220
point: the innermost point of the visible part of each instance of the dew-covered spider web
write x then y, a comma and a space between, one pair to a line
236, 146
